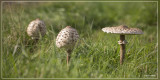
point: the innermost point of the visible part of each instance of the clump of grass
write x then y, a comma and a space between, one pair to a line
98, 54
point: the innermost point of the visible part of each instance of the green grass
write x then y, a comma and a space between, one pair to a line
97, 55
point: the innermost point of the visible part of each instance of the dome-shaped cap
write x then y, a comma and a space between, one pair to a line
35, 27
67, 38
122, 29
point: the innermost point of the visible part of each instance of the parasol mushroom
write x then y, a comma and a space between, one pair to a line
122, 30
67, 39
36, 28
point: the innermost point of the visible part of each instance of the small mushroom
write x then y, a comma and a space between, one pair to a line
67, 39
36, 28
122, 30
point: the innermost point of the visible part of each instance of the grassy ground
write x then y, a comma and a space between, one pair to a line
97, 55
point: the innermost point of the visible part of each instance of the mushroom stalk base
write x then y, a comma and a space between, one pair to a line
68, 56
122, 49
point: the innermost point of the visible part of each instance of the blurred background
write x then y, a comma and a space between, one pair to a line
93, 15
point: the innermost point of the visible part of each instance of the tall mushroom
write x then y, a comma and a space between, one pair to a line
67, 39
122, 30
36, 28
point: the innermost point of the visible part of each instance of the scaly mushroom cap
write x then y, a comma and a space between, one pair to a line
67, 38
122, 30
36, 28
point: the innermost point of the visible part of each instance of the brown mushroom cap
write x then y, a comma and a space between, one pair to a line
122, 29
67, 38
35, 27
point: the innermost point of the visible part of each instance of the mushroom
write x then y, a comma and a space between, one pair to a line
36, 28
122, 30
67, 39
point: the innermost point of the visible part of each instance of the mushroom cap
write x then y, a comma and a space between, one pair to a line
67, 38
122, 29
36, 28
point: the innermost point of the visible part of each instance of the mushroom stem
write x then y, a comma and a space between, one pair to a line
36, 40
122, 49
68, 56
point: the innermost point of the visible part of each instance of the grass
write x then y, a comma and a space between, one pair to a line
97, 55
